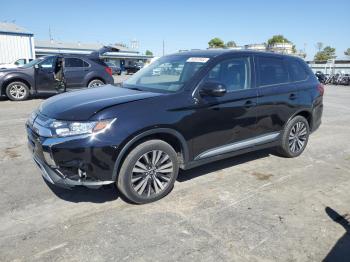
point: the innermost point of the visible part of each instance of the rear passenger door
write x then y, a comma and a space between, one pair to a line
277, 95
75, 70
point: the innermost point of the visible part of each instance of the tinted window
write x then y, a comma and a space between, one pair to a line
86, 64
297, 70
272, 71
48, 63
74, 62
233, 73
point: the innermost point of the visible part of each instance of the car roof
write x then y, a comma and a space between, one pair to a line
220, 51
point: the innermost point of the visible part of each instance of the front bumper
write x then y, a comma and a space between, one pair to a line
72, 161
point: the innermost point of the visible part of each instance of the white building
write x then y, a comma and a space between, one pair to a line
256, 47
15, 43
331, 66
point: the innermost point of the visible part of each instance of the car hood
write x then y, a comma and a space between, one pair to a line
82, 105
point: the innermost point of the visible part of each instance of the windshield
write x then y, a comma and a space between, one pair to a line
167, 74
32, 63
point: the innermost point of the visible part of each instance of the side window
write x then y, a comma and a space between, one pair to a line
86, 64
297, 70
73, 62
20, 62
272, 71
233, 73
48, 63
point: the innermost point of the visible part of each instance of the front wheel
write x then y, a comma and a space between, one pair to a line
17, 91
294, 137
149, 171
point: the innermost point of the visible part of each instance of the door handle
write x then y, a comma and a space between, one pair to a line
292, 96
249, 103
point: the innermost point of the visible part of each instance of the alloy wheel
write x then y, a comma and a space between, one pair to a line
17, 91
297, 137
152, 173
95, 83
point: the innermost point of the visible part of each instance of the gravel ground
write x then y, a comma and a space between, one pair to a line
255, 207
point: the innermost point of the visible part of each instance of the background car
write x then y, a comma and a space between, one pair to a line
40, 75
115, 69
17, 63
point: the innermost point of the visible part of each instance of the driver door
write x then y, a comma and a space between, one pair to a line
221, 123
44, 75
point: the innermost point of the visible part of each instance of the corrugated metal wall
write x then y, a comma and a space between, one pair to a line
13, 47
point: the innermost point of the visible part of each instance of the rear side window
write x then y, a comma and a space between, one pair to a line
297, 70
73, 62
272, 71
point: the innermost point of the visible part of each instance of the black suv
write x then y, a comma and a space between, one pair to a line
212, 105
54, 74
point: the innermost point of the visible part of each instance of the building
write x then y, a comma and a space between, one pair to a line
331, 66
256, 47
124, 56
15, 43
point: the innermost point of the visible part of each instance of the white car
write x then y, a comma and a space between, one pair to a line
17, 63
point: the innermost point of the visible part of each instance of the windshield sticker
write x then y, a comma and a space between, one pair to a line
197, 60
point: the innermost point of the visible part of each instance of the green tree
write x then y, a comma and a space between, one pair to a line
216, 43
148, 52
326, 54
231, 44
347, 52
277, 39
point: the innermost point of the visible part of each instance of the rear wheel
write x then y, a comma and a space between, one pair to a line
295, 137
17, 91
95, 83
149, 171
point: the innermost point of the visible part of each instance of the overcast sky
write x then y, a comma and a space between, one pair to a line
185, 24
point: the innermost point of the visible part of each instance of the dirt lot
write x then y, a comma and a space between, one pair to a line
256, 207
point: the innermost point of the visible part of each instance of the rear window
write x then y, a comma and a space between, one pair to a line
297, 70
272, 70
73, 62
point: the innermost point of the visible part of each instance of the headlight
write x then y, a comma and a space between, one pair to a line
62, 128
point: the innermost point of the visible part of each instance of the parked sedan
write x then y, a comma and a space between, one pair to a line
115, 69
54, 74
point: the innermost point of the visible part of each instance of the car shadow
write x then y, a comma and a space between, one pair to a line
110, 192
83, 194
341, 250
185, 175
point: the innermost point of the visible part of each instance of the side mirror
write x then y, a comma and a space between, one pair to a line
215, 89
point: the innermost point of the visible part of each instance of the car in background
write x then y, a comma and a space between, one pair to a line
115, 69
133, 67
17, 63
54, 74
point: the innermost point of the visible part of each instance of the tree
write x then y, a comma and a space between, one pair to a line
277, 39
319, 46
326, 54
231, 44
216, 43
148, 52
347, 52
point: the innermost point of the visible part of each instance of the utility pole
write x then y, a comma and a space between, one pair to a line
163, 48
50, 36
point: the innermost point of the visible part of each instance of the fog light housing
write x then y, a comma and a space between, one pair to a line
49, 159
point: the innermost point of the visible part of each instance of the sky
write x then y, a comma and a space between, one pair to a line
185, 24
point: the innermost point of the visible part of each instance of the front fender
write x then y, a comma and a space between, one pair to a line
16, 77
143, 134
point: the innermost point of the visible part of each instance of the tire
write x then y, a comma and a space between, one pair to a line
294, 137
17, 91
140, 181
95, 83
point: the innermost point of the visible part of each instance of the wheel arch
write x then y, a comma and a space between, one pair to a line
14, 79
306, 113
171, 136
